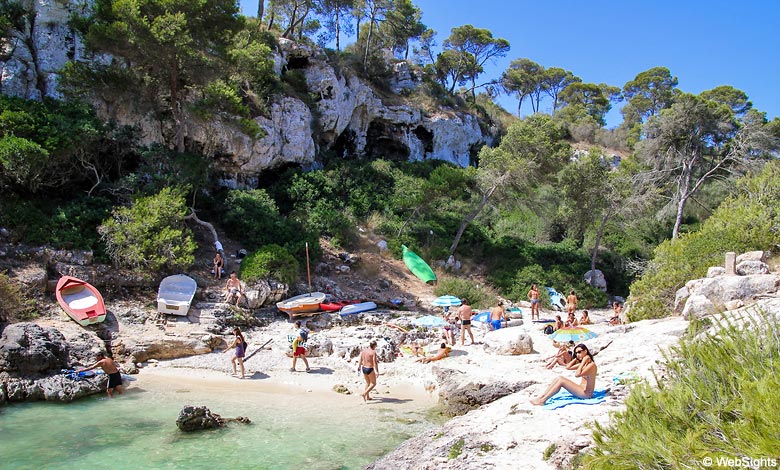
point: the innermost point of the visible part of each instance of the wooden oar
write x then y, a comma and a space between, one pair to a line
257, 350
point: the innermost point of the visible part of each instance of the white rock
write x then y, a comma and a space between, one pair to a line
752, 256
698, 306
508, 342
748, 267
715, 271
596, 279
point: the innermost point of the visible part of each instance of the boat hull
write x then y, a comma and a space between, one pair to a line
301, 304
80, 300
418, 266
354, 309
175, 294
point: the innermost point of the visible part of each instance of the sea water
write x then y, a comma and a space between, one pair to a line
291, 429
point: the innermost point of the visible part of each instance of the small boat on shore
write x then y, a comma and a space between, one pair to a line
418, 266
80, 300
302, 304
336, 306
175, 294
354, 309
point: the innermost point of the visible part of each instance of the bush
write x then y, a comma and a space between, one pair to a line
151, 234
718, 400
479, 296
271, 261
70, 225
748, 221
252, 217
14, 306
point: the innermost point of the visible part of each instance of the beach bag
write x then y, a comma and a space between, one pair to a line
548, 330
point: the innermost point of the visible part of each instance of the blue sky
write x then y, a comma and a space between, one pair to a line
703, 43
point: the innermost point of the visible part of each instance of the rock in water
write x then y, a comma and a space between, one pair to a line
195, 418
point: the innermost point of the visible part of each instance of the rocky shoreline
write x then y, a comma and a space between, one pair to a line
486, 386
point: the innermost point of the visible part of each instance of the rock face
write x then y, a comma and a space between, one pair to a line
459, 400
264, 292
351, 119
701, 297
508, 342
748, 267
27, 348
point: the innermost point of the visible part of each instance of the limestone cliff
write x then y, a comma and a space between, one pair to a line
345, 115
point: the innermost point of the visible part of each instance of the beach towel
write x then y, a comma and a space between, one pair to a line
626, 378
564, 398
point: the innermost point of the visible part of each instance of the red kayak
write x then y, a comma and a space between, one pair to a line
336, 306
80, 300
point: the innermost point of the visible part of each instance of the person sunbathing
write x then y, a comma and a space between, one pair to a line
558, 322
617, 309
444, 351
563, 357
585, 318
586, 369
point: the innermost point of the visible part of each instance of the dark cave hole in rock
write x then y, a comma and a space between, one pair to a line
296, 63
385, 140
426, 137
344, 146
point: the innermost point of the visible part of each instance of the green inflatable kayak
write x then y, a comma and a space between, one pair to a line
417, 266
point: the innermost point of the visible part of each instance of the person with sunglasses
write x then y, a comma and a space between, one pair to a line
586, 369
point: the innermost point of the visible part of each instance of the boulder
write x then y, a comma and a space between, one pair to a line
715, 271
28, 348
318, 345
750, 267
508, 342
141, 349
752, 256
197, 418
680, 297
596, 279
460, 399
698, 306
58, 387
33, 278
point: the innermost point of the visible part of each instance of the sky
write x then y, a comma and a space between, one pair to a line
703, 43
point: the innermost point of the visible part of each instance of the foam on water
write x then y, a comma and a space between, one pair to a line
291, 429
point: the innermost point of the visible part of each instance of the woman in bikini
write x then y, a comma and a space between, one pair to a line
240, 344
586, 369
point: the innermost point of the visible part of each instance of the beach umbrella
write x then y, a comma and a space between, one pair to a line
574, 333
429, 321
446, 301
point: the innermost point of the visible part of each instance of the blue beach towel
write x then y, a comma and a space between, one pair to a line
564, 398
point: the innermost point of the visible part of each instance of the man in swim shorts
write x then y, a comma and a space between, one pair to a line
533, 296
233, 289
299, 351
369, 366
465, 314
497, 315
110, 368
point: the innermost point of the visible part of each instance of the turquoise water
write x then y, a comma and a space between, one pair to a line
291, 429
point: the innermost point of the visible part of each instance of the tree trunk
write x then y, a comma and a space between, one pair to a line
368, 41
603, 224
260, 10
406, 222
470, 218
338, 30
684, 191
178, 121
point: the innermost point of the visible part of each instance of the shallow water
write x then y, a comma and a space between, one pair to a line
291, 429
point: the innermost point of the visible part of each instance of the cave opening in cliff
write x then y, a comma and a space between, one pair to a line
385, 140
297, 63
426, 137
345, 145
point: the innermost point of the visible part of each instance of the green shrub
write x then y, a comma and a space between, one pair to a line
479, 296
271, 261
456, 449
549, 451
151, 233
750, 220
717, 399
252, 217
14, 306
70, 224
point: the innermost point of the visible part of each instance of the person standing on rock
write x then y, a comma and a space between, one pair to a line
465, 313
369, 366
110, 368
533, 296
240, 344
233, 289
497, 315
